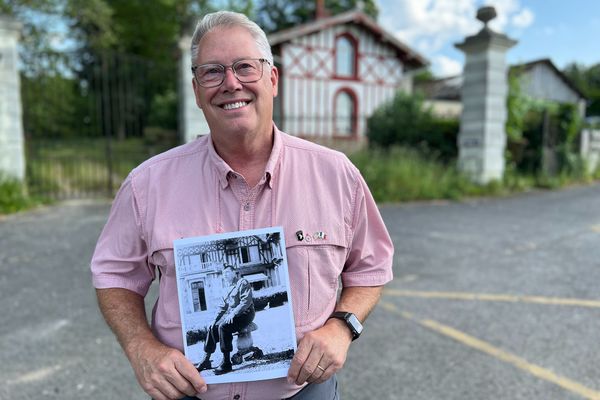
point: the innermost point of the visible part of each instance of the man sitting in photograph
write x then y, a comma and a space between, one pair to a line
235, 313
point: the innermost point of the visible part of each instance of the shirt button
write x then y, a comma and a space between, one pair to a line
247, 207
236, 397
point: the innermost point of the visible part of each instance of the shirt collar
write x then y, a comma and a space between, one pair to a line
223, 169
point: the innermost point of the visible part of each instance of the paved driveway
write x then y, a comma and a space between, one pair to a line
492, 299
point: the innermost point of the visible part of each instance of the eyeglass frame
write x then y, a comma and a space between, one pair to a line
231, 66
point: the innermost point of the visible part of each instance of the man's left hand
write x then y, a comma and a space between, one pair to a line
321, 353
228, 318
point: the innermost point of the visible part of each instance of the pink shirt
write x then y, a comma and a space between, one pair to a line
191, 191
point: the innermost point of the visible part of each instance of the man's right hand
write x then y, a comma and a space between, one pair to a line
164, 372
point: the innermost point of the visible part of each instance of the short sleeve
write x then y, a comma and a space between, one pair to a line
120, 259
371, 251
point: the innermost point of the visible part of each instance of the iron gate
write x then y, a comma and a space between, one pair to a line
86, 126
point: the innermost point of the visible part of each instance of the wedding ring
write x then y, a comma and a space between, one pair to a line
321, 368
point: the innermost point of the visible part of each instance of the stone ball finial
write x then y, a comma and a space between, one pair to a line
486, 14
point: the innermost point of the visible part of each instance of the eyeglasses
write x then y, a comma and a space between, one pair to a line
246, 71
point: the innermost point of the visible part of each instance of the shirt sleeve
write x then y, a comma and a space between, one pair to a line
371, 251
120, 259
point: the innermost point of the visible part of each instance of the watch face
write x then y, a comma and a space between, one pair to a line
355, 323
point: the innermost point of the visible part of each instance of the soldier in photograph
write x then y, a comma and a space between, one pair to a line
235, 312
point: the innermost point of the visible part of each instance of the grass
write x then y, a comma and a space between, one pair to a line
66, 168
401, 174
393, 175
13, 196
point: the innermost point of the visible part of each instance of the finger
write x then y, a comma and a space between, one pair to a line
194, 383
310, 365
165, 391
300, 357
318, 372
328, 373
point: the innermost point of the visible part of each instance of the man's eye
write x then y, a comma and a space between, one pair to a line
245, 68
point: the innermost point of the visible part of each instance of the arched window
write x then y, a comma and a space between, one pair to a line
345, 113
345, 56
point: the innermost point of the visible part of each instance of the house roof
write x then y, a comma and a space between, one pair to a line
441, 89
449, 88
546, 61
409, 56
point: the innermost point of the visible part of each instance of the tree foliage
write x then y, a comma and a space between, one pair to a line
275, 15
587, 81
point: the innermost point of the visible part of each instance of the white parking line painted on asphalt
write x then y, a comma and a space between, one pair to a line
514, 360
561, 301
36, 375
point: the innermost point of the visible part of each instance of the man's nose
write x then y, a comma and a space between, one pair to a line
230, 82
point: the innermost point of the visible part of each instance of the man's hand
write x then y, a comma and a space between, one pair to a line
228, 318
164, 373
321, 353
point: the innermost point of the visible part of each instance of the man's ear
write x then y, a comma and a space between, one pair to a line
274, 80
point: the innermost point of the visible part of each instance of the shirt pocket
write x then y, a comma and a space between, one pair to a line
167, 306
315, 264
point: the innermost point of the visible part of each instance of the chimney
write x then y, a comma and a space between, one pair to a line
321, 11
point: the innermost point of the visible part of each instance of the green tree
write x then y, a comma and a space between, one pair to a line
275, 15
587, 81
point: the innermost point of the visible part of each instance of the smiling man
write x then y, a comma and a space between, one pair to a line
246, 174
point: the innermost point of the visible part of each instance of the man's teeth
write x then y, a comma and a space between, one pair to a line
233, 106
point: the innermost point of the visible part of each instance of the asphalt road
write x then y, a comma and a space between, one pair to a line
492, 299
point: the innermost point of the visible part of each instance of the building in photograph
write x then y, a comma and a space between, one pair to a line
257, 259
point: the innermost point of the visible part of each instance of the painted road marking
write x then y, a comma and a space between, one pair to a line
561, 301
514, 360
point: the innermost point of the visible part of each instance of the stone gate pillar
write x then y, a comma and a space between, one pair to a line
482, 137
191, 119
12, 153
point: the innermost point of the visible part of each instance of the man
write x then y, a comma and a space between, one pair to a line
246, 174
235, 312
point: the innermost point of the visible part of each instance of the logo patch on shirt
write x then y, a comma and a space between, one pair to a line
320, 235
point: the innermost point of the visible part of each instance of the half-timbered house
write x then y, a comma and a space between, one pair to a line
335, 71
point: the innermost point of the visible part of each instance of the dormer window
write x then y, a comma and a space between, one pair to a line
345, 56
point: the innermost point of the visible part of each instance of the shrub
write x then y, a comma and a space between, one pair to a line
405, 121
275, 299
195, 336
13, 196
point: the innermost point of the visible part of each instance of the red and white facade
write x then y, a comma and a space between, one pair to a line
334, 72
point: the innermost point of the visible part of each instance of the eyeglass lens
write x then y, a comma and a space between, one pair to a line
246, 71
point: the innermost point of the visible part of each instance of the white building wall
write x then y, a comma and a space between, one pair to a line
191, 119
541, 82
310, 87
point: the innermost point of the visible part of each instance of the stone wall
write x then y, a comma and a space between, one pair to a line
590, 148
12, 155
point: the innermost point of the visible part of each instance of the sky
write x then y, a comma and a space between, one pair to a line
563, 31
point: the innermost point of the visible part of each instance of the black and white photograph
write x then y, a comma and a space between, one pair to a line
235, 304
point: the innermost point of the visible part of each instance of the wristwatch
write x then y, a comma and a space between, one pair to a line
351, 321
